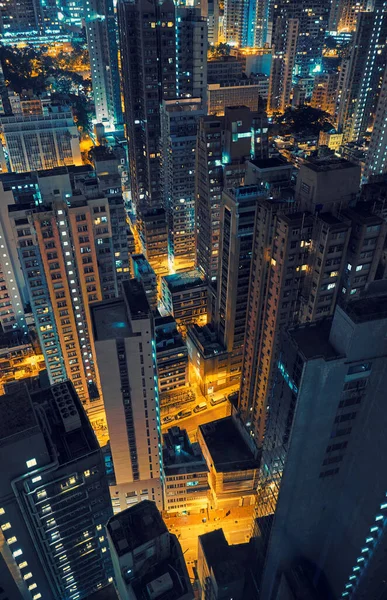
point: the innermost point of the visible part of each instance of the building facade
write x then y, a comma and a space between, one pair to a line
101, 31
41, 141
184, 296
179, 127
326, 377
284, 55
54, 496
186, 488
70, 260
126, 356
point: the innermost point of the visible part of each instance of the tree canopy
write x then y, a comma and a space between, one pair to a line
304, 119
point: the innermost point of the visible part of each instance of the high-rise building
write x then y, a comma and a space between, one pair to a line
284, 54
179, 127
237, 215
11, 279
164, 54
70, 259
101, 31
54, 496
126, 357
348, 13
312, 19
299, 259
364, 74
148, 561
376, 161
239, 22
326, 427
41, 142
224, 143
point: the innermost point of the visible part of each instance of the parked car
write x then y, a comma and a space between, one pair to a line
200, 407
168, 419
215, 401
183, 414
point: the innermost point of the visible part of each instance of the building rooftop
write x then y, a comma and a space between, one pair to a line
184, 281
312, 339
173, 569
328, 164
17, 415
135, 526
271, 163
226, 562
228, 450
110, 320
372, 306
141, 265
180, 456
136, 299
206, 340
70, 430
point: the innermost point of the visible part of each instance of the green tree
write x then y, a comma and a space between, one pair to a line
304, 119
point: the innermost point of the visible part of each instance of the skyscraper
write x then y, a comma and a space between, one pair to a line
68, 257
284, 54
179, 128
312, 19
101, 34
54, 497
376, 161
237, 215
11, 279
157, 65
239, 22
224, 143
299, 259
366, 68
125, 345
325, 429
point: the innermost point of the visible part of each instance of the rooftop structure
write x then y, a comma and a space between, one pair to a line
222, 568
148, 561
185, 461
233, 468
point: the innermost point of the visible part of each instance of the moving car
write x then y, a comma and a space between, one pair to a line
200, 407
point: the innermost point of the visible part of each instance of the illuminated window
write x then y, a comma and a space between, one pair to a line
36, 479
6, 526
27, 575
12, 540
2, 511
17, 553
33, 586
31, 463
86, 473
23, 564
